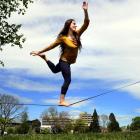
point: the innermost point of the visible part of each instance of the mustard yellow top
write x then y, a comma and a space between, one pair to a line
70, 49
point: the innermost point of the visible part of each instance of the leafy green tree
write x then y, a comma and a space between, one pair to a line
94, 126
113, 125
135, 125
80, 126
9, 31
68, 127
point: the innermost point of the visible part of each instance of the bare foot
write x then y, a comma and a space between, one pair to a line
43, 56
63, 104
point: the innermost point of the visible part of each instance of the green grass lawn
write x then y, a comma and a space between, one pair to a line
88, 136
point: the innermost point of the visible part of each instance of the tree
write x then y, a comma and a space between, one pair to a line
63, 115
24, 127
9, 110
51, 116
36, 125
113, 125
104, 119
68, 127
80, 126
50, 112
135, 125
24, 116
58, 120
94, 126
9, 32
53, 113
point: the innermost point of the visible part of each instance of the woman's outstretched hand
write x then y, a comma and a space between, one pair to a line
85, 5
34, 53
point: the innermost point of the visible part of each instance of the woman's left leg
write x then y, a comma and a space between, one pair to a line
66, 72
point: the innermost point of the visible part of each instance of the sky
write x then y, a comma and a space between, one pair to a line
109, 58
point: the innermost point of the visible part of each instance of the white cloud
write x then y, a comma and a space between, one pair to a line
113, 34
26, 84
134, 90
21, 99
137, 110
51, 101
124, 119
74, 114
24, 100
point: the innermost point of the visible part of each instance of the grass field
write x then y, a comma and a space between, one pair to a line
88, 136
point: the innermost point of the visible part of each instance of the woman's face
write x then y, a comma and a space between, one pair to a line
73, 26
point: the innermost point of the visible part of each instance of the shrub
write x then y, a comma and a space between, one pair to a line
10, 130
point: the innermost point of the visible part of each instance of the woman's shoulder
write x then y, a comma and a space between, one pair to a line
62, 37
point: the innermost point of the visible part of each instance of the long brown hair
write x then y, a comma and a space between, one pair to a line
65, 30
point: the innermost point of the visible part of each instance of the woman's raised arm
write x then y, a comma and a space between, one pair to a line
86, 19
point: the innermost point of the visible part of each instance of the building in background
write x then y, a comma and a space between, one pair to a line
87, 118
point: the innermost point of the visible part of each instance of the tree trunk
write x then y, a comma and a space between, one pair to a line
2, 132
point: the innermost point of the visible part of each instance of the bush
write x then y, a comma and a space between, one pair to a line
135, 125
10, 130
37, 130
45, 131
23, 128
113, 126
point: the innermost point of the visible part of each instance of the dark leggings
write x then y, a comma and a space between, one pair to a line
64, 67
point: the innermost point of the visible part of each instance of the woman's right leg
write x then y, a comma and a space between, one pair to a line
64, 67
53, 68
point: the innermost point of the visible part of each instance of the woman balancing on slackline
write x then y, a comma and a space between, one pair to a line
69, 41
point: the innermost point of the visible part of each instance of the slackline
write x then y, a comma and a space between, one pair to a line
89, 98
110, 91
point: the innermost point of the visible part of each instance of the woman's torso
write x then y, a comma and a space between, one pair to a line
70, 50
